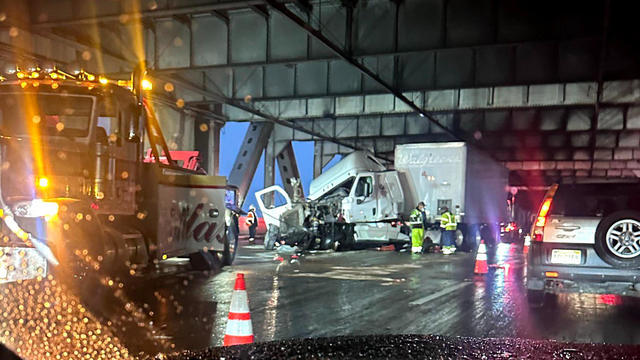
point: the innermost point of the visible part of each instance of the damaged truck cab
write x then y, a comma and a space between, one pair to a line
357, 200
75, 189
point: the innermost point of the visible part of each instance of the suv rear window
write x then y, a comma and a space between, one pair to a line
595, 199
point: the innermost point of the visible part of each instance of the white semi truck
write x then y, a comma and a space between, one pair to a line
360, 200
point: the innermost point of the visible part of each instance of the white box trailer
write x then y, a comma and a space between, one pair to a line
453, 174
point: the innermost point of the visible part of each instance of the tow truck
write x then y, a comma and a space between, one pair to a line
78, 188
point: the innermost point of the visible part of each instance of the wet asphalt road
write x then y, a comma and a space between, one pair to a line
368, 292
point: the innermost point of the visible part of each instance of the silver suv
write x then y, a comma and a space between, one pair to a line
586, 238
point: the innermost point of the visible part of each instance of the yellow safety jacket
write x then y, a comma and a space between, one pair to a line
448, 221
415, 219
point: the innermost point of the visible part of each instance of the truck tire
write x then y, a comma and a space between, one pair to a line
230, 246
619, 250
270, 237
346, 242
465, 237
460, 239
326, 243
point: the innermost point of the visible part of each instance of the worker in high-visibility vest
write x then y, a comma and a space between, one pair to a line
416, 220
448, 225
252, 223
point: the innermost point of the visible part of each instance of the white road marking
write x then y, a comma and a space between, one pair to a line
440, 293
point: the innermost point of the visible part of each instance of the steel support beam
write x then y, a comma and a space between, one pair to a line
248, 157
13, 54
600, 72
320, 159
317, 159
237, 104
288, 167
155, 14
213, 165
269, 169
67, 42
282, 9
206, 134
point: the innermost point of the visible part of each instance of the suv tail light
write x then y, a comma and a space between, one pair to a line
544, 210
541, 220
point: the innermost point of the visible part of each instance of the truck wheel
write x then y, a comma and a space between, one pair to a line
468, 234
326, 243
616, 242
459, 238
230, 246
346, 243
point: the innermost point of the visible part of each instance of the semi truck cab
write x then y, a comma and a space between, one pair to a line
359, 190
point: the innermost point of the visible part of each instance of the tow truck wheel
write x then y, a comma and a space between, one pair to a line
230, 246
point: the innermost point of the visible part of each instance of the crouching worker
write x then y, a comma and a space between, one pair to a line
416, 220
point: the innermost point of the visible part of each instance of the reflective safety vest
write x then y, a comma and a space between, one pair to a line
415, 218
251, 218
448, 221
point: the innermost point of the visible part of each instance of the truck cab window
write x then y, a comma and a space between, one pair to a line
364, 186
110, 120
50, 115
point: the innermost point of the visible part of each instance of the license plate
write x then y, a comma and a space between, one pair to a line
566, 256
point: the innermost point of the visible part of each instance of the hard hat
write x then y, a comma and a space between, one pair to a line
251, 207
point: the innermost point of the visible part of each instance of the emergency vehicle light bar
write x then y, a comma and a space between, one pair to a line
52, 76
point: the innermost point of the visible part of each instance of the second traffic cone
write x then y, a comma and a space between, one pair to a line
481, 259
239, 329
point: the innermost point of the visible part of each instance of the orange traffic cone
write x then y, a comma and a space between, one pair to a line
481, 259
239, 329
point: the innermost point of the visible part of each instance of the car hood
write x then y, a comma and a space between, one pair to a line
414, 347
